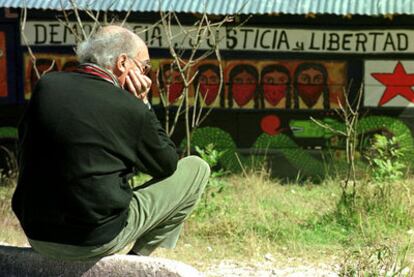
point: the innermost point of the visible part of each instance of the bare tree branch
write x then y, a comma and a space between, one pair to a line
328, 127
78, 19
203, 32
127, 14
26, 41
177, 115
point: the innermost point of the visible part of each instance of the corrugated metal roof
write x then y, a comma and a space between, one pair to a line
339, 7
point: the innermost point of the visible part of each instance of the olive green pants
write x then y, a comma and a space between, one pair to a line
156, 215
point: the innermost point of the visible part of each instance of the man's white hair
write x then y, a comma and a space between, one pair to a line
104, 47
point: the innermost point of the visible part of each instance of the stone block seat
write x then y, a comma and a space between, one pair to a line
23, 261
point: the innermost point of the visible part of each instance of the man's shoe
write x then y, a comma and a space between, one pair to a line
132, 252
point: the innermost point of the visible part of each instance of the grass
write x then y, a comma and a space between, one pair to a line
10, 230
255, 215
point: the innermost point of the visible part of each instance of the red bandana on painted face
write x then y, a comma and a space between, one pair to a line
209, 92
310, 93
174, 91
274, 93
243, 93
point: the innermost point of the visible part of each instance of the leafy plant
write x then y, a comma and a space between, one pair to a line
386, 158
216, 183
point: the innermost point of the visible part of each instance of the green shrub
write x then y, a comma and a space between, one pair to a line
386, 159
216, 183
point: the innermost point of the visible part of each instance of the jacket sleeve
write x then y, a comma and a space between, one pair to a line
157, 155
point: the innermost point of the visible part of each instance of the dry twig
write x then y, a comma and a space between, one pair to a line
26, 42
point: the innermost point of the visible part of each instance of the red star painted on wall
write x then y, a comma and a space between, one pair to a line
397, 83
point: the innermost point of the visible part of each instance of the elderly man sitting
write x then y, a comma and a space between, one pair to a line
82, 137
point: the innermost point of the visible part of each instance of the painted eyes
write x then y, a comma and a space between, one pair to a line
240, 81
308, 79
275, 81
209, 80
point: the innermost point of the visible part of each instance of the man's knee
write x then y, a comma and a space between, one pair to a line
199, 171
197, 163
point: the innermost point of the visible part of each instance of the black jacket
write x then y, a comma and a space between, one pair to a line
80, 140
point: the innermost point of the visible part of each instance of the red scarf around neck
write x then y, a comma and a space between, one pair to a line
96, 70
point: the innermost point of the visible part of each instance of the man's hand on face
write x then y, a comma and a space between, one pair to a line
138, 84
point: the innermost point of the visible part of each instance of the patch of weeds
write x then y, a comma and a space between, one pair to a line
379, 260
386, 158
216, 183
374, 208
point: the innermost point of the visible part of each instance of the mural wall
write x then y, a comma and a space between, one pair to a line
278, 91
302, 160
283, 93
287, 84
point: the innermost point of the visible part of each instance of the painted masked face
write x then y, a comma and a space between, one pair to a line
174, 91
209, 86
310, 93
310, 86
173, 84
243, 88
275, 87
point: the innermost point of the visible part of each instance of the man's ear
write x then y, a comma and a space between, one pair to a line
121, 69
121, 64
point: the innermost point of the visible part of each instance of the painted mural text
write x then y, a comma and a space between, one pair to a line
248, 38
359, 41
